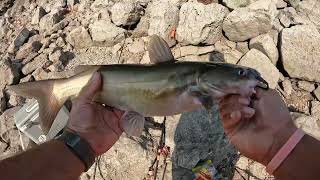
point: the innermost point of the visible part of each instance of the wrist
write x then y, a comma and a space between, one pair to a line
280, 137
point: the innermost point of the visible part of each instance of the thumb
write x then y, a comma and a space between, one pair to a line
93, 86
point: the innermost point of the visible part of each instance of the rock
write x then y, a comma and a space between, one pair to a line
293, 3
136, 46
14, 99
309, 9
277, 25
257, 60
281, 4
99, 4
142, 28
307, 86
3, 103
200, 23
191, 50
79, 38
28, 78
287, 87
32, 46
206, 2
10, 134
234, 4
48, 21
3, 27
245, 23
274, 35
104, 32
265, 44
56, 56
163, 19
37, 62
308, 124
315, 109
316, 92
288, 16
300, 52
55, 28
125, 13
225, 51
21, 38
11, 73
242, 47
38, 14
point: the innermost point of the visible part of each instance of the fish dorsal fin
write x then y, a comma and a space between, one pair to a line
159, 50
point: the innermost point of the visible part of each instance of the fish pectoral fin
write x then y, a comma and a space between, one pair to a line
132, 123
159, 50
206, 100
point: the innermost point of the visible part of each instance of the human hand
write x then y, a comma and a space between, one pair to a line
95, 123
258, 132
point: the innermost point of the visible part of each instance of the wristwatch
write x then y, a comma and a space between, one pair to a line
79, 147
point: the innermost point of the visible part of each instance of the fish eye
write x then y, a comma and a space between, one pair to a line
242, 72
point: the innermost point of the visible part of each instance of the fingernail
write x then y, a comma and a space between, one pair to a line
244, 101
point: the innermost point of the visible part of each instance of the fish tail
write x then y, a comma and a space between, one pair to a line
49, 102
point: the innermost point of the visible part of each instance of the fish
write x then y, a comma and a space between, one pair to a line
165, 87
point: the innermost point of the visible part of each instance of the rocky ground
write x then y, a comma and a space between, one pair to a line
41, 39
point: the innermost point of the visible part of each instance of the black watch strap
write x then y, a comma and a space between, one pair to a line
79, 147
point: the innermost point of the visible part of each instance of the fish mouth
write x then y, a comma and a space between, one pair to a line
262, 83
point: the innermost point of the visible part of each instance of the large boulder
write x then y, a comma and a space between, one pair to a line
300, 52
163, 19
106, 33
245, 23
257, 60
200, 23
310, 10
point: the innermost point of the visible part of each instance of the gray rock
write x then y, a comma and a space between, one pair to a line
79, 38
200, 23
7, 121
281, 4
300, 52
307, 86
33, 45
38, 14
99, 4
163, 19
234, 4
316, 92
265, 44
106, 33
22, 37
243, 47
288, 16
309, 9
293, 3
257, 60
245, 23
11, 73
225, 51
125, 13
37, 62
48, 21
137, 46
287, 87
55, 28
275, 36
3, 102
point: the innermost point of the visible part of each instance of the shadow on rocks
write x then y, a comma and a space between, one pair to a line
197, 139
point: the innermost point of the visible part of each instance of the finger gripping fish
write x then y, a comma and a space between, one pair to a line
166, 88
